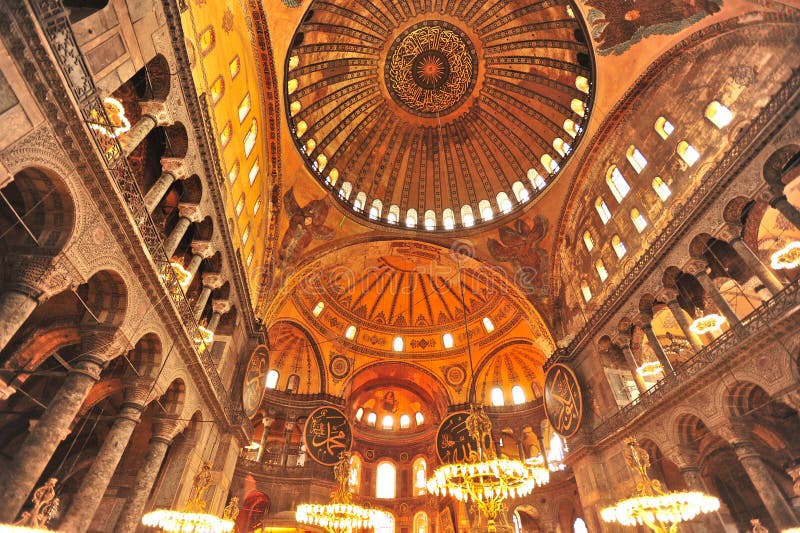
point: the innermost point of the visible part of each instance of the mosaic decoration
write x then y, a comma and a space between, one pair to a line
255, 381
519, 244
563, 402
305, 224
327, 434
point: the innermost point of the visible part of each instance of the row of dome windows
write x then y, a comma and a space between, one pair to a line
716, 113
448, 221
387, 422
517, 396
398, 344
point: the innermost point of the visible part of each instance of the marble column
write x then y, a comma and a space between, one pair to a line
787, 210
200, 250
719, 300
220, 308
772, 497
683, 321
267, 422
163, 432
764, 275
153, 114
172, 169
686, 461
794, 472
287, 440
188, 213
33, 279
645, 323
53, 426
84, 505
211, 281
624, 344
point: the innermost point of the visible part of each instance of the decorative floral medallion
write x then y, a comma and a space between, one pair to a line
431, 68
339, 366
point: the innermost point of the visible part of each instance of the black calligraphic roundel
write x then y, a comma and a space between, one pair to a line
327, 434
454, 444
563, 402
255, 381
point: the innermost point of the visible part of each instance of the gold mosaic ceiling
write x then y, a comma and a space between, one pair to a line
434, 115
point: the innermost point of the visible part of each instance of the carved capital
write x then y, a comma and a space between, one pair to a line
41, 276
731, 231
221, 306
137, 390
176, 166
644, 320
622, 341
212, 280
683, 456
190, 211
157, 110
668, 295
203, 248
102, 342
696, 267
165, 428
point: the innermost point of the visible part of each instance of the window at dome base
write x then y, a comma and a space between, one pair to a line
359, 414
588, 241
419, 418
272, 379
387, 422
619, 246
601, 269
718, 114
350, 333
602, 210
498, 399
405, 421
467, 218
397, 345
361, 199
447, 340
664, 127
688, 153
386, 477
448, 219
318, 309
487, 324
372, 419
662, 189
517, 395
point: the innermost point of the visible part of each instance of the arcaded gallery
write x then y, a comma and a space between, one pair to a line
400, 266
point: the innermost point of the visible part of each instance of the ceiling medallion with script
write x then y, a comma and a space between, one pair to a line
431, 68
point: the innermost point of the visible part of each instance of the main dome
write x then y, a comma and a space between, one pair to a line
433, 115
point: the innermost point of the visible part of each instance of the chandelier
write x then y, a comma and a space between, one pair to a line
193, 518
660, 511
787, 257
341, 514
45, 506
707, 324
484, 479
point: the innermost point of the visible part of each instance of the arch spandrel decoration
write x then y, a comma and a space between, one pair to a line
327, 434
563, 400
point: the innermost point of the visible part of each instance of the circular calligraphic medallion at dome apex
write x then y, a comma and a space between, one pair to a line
327, 434
255, 381
431, 68
563, 402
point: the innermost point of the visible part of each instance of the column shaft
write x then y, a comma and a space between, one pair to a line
787, 210
214, 322
683, 321
131, 513
721, 303
202, 301
31, 459
15, 308
194, 265
158, 190
770, 494
79, 515
661, 355
720, 520
764, 274
174, 238
137, 134
264, 436
631, 360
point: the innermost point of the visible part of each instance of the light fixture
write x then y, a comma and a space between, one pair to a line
116, 116
660, 511
707, 323
650, 369
193, 518
206, 335
45, 506
253, 446
787, 257
341, 515
184, 276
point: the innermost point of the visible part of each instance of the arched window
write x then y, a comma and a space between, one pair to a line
293, 383
217, 90
582, 84
385, 523
536, 179
520, 192
372, 419
240, 205
467, 218
517, 395
387, 423
233, 173
321, 163
420, 470
447, 340
503, 202
333, 177
250, 138
577, 107
385, 480
411, 218
617, 183
718, 114
234, 67
350, 333
345, 190
588, 241
664, 127
487, 324
292, 85
207, 41
295, 107
272, 379
688, 153
601, 269
498, 398
397, 344
602, 210
636, 159
639, 222
586, 291
571, 128
300, 129
430, 219
360, 201
662, 189
556, 449
253, 173
485, 209
579, 526
294, 62
448, 219
359, 414
354, 479
421, 522
419, 418
405, 421
619, 246
561, 147
244, 108
225, 134
375, 210
549, 163
394, 214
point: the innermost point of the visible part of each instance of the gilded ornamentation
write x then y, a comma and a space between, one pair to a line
431, 68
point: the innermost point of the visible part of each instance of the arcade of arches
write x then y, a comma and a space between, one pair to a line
217, 217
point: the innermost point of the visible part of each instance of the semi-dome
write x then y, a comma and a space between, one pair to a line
431, 117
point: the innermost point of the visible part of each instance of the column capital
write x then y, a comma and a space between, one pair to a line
41, 276
622, 341
190, 211
684, 457
734, 432
221, 306
137, 390
731, 231
102, 342
668, 295
697, 268
204, 249
157, 110
176, 166
165, 428
644, 320
213, 280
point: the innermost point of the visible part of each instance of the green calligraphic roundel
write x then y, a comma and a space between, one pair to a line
255, 381
327, 434
454, 444
563, 402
